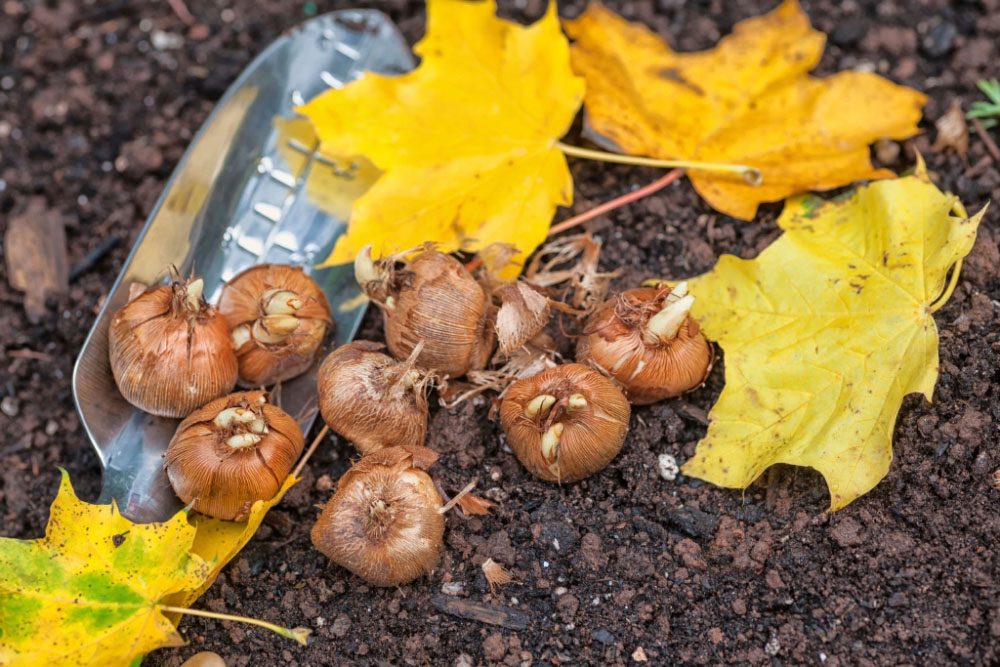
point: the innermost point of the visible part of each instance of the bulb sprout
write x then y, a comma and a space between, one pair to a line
550, 441
194, 292
539, 405
241, 440
364, 267
663, 326
577, 402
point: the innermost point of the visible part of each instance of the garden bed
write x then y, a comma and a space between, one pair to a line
99, 101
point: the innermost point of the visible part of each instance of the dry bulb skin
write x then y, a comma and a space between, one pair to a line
565, 423
170, 350
646, 340
231, 453
384, 524
371, 399
431, 299
279, 318
523, 313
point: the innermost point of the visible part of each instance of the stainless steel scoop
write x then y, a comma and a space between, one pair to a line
238, 198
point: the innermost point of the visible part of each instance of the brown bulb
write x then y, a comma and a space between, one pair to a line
434, 300
371, 399
279, 318
231, 453
647, 342
565, 423
170, 350
384, 523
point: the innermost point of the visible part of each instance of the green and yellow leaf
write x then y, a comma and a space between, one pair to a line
88, 592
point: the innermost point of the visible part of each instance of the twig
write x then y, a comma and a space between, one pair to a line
93, 257
182, 12
987, 139
658, 184
451, 503
309, 452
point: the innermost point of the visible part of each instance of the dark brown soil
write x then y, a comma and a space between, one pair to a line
93, 118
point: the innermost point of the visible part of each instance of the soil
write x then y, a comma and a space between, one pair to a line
97, 106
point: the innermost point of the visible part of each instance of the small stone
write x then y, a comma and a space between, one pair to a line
940, 40
603, 636
639, 655
325, 484
567, 605
340, 626
693, 522
739, 606
772, 647
850, 31
51, 427
9, 406
163, 41
847, 533
464, 660
494, 648
668, 467
452, 588
887, 150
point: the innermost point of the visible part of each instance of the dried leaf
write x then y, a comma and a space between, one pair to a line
952, 132
523, 313
35, 249
467, 141
472, 504
826, 331
748, 101
496, 575
572, 260
88, 592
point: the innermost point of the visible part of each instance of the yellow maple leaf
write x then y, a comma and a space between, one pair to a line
467, 141
826, 331
218, 542
748, 101
88, 592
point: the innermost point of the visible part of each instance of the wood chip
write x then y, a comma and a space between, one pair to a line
35, 251
506, 617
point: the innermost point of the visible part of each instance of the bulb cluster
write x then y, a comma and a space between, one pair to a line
172, 354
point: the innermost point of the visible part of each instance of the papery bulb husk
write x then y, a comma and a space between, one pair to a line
613, 343
383, 523
223, 481
371, 399
591, 437
170, 351
523, 313
242, 304
435, 300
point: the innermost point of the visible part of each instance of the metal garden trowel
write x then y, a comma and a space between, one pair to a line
238, 198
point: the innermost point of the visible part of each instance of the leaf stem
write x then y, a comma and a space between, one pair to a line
298, 634
750, 174
309, 452
658, 184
